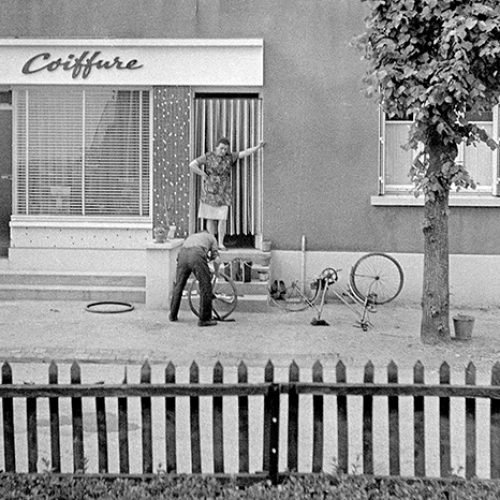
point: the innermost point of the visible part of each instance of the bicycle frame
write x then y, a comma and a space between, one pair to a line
363, 320
324, 282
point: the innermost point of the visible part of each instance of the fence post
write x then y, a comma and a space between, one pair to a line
293, 418
274, 438
194, 413
170, 423
368, 422
393, 403
218, 435
243, 431
123, 431
77, 417
419, 422
342, 423
102, 438
444, 423
32, 435
55, 442
8, 423
317, 459
147, 439
495, 426
268, 378
470, 425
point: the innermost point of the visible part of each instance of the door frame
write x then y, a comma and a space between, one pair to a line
258, 183
9, 175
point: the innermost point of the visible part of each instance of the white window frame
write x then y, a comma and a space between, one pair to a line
403, 196
75, 219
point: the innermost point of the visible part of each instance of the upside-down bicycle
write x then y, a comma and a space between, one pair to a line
376, 278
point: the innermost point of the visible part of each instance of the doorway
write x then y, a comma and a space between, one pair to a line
238, 117
5, 170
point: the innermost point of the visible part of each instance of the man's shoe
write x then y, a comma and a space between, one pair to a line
210, 322
172, 318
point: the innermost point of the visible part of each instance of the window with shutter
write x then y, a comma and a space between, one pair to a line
82, 151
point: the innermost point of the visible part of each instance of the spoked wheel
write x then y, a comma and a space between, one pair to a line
224, 298
297, 296
378, 277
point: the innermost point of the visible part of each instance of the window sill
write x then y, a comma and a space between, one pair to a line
400, 200
77, 222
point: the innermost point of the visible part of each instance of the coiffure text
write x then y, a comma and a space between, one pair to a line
79, 66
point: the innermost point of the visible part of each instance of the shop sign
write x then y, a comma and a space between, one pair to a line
132, 62
78, 66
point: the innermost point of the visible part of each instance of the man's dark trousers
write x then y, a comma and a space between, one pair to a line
193, 260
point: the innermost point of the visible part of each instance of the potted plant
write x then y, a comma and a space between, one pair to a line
171, 231
160, 234
169, 209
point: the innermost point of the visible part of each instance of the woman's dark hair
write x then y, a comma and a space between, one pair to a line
223, 140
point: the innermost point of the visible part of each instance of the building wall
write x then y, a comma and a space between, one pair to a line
320, 162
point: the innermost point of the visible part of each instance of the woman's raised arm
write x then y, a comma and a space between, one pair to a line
250, 151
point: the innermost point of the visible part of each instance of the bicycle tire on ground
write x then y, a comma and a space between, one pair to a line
224, 300
378, 275
297, 296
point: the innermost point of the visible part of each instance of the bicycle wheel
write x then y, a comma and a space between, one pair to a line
377, 276
224, 298
297, 296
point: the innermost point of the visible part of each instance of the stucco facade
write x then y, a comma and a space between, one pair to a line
320, 169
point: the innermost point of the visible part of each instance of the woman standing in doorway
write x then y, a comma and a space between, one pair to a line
216, 193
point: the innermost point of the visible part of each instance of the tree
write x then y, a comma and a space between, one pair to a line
437, 61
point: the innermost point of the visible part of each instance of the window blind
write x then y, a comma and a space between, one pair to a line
82, 152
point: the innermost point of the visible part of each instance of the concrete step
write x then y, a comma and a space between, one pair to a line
70, 279
257, 257
252, 303
42, 285
54, 292
29, 285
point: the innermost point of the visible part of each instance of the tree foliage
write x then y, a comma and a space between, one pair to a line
438, 62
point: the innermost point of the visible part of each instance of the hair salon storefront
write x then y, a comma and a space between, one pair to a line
97, 136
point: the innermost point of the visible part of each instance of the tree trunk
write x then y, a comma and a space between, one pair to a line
435, 326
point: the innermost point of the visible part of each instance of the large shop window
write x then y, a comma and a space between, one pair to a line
82, 152
480, 161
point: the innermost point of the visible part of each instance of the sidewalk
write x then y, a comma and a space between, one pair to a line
64, 331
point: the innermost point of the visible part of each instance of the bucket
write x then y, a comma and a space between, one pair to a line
463, 326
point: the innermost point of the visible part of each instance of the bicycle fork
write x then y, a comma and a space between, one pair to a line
318, 321
363, 321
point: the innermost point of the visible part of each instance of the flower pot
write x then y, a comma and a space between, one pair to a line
171, 232
159, 235
463, 325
